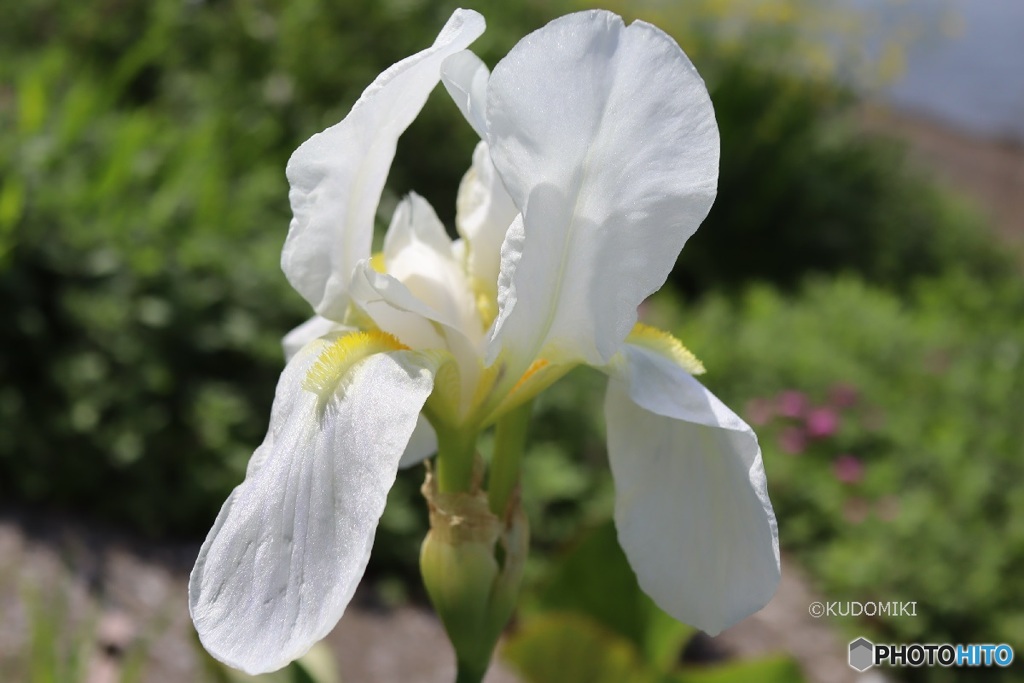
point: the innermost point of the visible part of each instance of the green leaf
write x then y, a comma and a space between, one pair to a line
32, 104
571, 648
664, 637
595, 579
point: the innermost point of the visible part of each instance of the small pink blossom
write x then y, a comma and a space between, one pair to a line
760, 411
791, 403
793, 440
822, 423
848, 469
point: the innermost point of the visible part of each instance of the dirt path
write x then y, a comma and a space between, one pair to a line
107, 592
989, 172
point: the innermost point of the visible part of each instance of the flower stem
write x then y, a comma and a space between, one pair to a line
456, 451
468, 674
472, 565
509, 441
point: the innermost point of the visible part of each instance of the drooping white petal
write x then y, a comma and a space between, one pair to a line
465, 77
291, 543
313, 328
691, 503
337, 176
422, 444
606, 140
484, 211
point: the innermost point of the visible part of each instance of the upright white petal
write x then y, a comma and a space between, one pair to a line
313, 328
291, 543
606, 140
465, 77
337, 176
419, 253
691, 503
484, 211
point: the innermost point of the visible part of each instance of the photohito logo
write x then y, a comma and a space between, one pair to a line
864, 654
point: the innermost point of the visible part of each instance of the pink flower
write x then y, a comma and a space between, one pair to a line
843, 395
848, 469
760, 411
822, 423
791, 403
793, 440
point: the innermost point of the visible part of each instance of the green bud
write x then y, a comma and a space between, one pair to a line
472, 565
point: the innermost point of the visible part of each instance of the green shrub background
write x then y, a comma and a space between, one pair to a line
142, 212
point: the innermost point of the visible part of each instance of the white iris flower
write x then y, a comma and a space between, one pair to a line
598, 159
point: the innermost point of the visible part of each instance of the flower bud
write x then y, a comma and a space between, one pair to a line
472, 565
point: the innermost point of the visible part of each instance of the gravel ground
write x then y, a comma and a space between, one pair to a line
111, 591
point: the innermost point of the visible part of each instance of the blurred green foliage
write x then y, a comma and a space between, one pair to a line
64, 647
915, 492
890, 426
142, 210
585, 626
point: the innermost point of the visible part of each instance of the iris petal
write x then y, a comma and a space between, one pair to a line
337, 175
691, 503
465, 78
291, 543
484, 212
605, 138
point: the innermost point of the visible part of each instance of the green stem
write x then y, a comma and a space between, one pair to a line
468, 674
456, 449
509, 442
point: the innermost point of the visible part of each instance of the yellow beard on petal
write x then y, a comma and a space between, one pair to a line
665, 344
339, 356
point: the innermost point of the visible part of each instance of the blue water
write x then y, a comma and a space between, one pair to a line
972, 80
